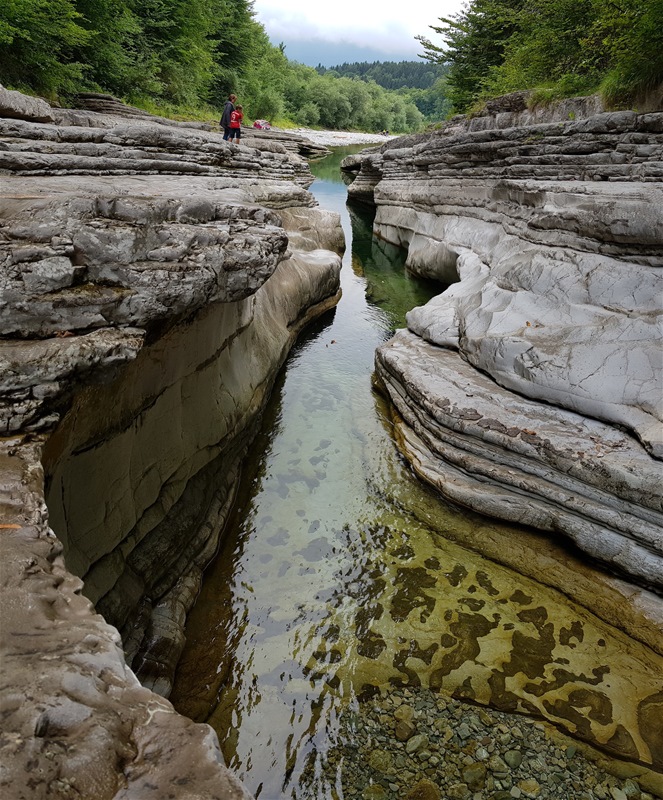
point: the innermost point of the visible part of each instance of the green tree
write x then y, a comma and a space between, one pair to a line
551, 45
633, 33
476, 40
564, 47
237, 37
109, 52
308, 115
37, 42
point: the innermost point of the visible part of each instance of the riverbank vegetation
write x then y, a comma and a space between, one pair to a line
183, 56
420, 82
559, 48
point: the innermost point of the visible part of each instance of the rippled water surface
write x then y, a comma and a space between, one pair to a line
334, 577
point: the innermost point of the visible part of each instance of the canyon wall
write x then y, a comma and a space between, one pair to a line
531, 389
154, 278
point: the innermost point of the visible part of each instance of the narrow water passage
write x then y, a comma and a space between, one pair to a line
339, 574
316, 506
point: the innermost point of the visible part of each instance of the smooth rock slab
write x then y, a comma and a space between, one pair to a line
22, 106
520, 460
540, 308
93, 272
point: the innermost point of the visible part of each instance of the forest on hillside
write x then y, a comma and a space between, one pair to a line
558, 48
186, 56
182, 55
390, 74
420, 82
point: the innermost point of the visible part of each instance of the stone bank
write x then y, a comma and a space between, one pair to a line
532, 388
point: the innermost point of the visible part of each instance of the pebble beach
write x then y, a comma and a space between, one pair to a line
338, 138
417, 745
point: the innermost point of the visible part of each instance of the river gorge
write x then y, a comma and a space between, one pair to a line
396, 526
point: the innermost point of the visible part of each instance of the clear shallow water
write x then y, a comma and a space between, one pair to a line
312, 502
334, 578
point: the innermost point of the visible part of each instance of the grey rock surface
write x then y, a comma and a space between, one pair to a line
549, 236
514, 458
143, 267
76, 720
21, 106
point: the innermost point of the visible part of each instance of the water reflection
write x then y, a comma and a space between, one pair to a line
334, 579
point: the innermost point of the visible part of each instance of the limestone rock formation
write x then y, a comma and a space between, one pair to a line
532, 388
150, 290
20, 106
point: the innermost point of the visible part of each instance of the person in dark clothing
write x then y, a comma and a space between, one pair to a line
225, 117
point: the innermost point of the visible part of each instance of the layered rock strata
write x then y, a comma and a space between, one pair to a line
531, 389
150, 290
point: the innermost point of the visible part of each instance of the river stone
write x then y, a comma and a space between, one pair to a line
404, 730
381, 761
464, 731
374, 792
404, 712
496, 764
417, 742
423, 790
530, 787
513, 758
458, 791
474, 776
631, 789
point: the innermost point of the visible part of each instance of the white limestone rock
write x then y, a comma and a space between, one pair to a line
549, 236
507, 456
147, 283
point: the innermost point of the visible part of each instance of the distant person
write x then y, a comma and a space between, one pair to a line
236, 118
225, 117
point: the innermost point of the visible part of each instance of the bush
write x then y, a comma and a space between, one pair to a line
267, 105
308, 115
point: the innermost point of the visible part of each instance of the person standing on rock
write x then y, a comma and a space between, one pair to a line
228, 109
236, 118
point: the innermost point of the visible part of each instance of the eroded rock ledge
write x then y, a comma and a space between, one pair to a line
532, 388
153, 280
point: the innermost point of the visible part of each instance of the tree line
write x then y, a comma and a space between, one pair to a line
560, 48
389, 74
418, 82
182, 55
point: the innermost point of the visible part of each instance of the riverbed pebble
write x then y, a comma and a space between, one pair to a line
415, 745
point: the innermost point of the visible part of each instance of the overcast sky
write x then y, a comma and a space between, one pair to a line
333, 31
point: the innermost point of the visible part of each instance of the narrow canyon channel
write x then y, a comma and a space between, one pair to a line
341, 573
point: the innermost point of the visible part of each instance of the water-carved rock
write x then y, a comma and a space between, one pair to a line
531, 388
150, 290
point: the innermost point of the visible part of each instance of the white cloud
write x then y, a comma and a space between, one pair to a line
387, 26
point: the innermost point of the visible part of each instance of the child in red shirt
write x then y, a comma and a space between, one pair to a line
236, 118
